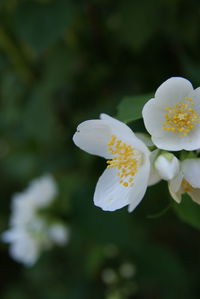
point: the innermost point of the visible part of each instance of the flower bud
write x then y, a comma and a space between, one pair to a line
167, 166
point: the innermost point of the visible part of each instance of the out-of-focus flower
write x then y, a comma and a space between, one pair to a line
167, 166
109, 276
173, 116
58, 233
39, 194
29, 232
127, 270
125, 179
187, 181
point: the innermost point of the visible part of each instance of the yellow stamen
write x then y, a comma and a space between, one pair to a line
181, 118
186, 186
126, 160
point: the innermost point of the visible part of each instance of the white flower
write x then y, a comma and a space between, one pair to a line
39, 194
125, 179
173, 116
187, 181
167, 166
29, 233
43, 190
27, 242
59, 233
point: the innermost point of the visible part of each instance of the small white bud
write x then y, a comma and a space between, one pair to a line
167, 166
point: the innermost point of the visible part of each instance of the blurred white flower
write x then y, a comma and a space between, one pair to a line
39, 194
125, 179
109, 276
173, 116
29, 232
127, 270
167, 166
43, 190
58, 233
27, 241
187, 181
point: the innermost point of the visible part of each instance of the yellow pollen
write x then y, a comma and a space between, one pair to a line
186, 186
181, 118
125, 160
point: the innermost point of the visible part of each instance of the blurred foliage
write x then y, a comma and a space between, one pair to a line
62, 62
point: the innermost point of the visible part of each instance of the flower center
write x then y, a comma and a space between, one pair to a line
125, 159
186, 186
181, 118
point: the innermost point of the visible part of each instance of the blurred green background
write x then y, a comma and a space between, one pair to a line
65, 61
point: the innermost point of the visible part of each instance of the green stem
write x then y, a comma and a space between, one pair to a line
161, 213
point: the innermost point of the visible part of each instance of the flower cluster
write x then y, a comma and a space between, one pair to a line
30, 232
172, 118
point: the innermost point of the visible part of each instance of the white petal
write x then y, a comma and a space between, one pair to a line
191, 170
23, 209
154, 118
195, 95
8, 236
195, 195
122, 132
176, 196
114, 122
192, 140
173, 142
43, 190
167, 168
93, 136
173, 90
140, 185
154, 176
23, 248
109, 194
175, 184
25, 251
175, 188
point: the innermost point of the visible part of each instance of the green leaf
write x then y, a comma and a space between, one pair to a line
188, 211
130, 108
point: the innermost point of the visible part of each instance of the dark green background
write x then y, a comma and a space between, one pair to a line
62, 62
